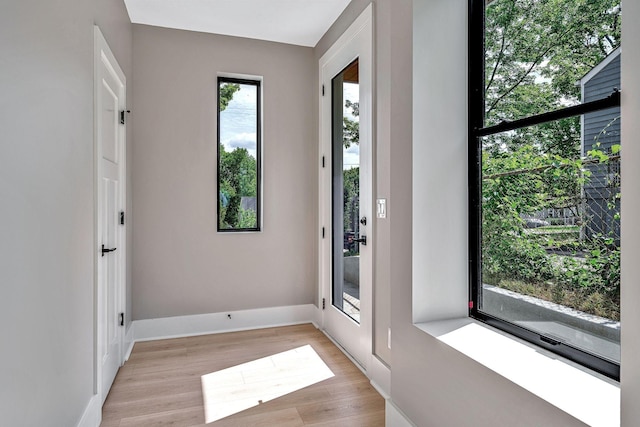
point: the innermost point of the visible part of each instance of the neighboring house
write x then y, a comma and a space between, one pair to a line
601, 131
248, 204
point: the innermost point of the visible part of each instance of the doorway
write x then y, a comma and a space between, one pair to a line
346, 249
110, 238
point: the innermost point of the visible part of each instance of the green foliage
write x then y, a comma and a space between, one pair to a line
538, 49
238, 178
226, 92
247, 218
536, 52
350, 127
351, 199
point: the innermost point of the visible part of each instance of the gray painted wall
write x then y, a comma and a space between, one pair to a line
47, 204
182, 265
630, 293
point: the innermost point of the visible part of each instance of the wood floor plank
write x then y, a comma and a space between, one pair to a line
161, 383
375, 419
281, 418
338, 409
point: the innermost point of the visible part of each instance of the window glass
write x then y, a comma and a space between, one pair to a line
551, 234
538, 50
238, 155
545, 160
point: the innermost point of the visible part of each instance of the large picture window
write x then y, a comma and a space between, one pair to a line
544, 174
239, 144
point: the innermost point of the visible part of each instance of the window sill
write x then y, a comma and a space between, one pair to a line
587, 396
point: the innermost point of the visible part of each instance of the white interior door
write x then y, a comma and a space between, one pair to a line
110, 255
346, 190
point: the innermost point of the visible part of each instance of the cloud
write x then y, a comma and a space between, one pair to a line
241, 140
354, 149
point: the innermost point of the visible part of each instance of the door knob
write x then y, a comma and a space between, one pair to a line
362, 240
104, 251
363, 220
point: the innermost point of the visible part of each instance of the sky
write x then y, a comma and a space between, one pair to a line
351, 155
238, 122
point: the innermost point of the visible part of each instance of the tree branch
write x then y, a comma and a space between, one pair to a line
539, 58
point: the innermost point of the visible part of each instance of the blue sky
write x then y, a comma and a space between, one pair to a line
238, 121
351, 155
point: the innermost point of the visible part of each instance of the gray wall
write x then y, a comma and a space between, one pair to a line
630, 293
47, 204
182, 265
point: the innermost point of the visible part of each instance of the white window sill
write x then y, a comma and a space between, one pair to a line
589, 397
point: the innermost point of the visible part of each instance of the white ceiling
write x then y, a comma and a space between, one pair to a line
299, 22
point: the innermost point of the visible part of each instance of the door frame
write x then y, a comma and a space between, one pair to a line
103, 52
355, 42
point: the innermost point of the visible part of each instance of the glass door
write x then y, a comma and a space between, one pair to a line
348, 226
346, 246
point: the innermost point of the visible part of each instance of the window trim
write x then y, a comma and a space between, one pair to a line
258, 84
476, 129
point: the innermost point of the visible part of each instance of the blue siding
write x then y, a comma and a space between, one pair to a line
602, 127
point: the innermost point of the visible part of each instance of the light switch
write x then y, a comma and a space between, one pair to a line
381, 208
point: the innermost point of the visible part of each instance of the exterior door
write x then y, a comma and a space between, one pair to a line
345, 190
110, 154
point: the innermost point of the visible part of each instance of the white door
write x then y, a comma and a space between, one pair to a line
346, 190
110, 154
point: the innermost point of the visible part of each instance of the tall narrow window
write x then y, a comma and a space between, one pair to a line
239, 146
544, 168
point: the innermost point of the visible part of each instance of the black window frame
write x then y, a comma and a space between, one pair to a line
476, 130
258, 84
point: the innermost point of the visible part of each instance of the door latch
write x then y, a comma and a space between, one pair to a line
362, 240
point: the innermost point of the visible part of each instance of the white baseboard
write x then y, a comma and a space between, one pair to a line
380, 376
92, 414
317, 317
228, 321
394, 417
129, 341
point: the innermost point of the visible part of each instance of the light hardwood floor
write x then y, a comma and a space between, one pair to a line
161, 383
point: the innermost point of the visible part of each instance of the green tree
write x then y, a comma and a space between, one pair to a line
536, 52
226, 92
238, 178
351, 127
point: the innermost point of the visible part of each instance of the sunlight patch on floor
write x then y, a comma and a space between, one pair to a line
241, 387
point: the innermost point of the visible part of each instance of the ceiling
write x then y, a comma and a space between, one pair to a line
298, 22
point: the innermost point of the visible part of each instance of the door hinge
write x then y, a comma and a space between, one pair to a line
121, 319
122, 115
323, 303
322, 161
121, 217
323, 232
322, 90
